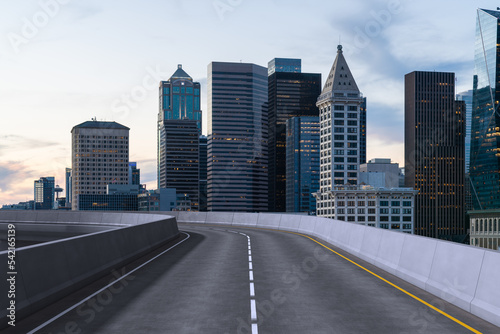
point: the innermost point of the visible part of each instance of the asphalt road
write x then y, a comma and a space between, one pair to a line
207, 283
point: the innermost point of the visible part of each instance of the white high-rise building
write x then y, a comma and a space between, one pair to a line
342, 135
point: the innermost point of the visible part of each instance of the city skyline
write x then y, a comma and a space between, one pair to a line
80, 61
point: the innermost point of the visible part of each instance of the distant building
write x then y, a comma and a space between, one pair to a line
435, 153
202, 176
485, 228
69, 186
29, 205
343, 130
118, 197
183, 202
485, 134
158, 200
44, 193
291, 94
100, 156
391, 209
237, 137
380, 173
302, 163
134, 173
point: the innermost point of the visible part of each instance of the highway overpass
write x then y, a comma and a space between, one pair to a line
272, 273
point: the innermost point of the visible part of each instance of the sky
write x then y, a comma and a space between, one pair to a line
63, 62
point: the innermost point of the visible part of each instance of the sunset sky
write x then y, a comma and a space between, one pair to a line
63, 62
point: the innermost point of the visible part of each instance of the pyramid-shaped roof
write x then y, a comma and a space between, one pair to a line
491, 12
340, 79
180, 74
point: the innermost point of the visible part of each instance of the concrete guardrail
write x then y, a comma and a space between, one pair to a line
49, 271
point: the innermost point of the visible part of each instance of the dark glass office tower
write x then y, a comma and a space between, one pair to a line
179, 128
435, 153
44, 193
291, 94
179, 154
237, 137
302, 163
203, 173
485, 133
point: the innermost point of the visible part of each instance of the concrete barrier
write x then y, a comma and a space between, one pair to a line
463, 275
46, 272
486, 303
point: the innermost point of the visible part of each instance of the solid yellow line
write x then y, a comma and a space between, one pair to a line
394, 285
371, 272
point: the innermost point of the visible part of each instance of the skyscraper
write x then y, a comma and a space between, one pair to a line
485, 133
100, 156
302, 163
134, 173
179, 128
44, 193
467, 98
435, 153
179, 154
203, 173
343, 125
237, 137
291, 94
69, 186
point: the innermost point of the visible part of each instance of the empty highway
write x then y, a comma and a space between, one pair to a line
242, 280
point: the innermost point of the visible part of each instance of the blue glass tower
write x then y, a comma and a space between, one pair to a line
179, 129
485, 132
302, 163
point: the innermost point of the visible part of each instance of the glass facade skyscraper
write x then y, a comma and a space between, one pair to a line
180, 98
485, 133
435, 153
179, 128
44, 193
302, 163
237, 137
291, 94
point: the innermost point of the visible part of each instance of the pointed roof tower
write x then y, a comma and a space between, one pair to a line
180, 74
340, 79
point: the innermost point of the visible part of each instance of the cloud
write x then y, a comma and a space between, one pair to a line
15, 182
22, 143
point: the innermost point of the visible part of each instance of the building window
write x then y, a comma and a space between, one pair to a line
395, 211
384, 203
340, 203
361, 211
361, 218
386, 226
351, 203
351, 218
395, 203
371, 219
371, 203
338, 115
395, 218
371, 211
407, 218
407, 211
406, 203
395, 227
406, 226
384, 218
